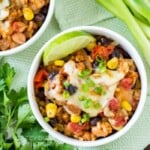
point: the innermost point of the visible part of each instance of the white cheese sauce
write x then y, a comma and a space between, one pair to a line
109, 79
4, 12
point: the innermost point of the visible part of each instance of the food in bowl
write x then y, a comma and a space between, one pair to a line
20, 20
91, 92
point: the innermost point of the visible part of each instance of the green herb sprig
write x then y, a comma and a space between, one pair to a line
18, 127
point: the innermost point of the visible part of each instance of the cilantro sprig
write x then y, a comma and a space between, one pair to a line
18, 127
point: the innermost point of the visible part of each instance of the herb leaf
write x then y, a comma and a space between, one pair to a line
25, 115
7, 73
18, 128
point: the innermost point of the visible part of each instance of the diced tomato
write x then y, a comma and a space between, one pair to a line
38, 85
102, 51
120, 121
114, 104
126, 83
75, 127
40, 77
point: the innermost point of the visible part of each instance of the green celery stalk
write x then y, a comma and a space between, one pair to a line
142, 7
120, 10
145, 28
135, 13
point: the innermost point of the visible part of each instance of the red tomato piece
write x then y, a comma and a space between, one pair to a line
126, 83
102, 51
40, 77
120, 121
74, 127
114, 104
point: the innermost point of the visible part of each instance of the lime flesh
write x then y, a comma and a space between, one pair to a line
66, 44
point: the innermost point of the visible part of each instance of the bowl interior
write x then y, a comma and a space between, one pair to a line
35, 36
134, 55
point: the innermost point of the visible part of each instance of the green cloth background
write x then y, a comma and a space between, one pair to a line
69, 13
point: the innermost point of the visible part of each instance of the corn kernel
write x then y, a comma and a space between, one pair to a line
59, 63
126, 105
112, 63
90, 46
75, 118
46, 86
51, 110
28, 13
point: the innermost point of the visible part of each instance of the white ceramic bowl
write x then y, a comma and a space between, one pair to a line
35, 36
134, 55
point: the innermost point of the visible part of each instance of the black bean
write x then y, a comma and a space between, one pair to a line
118, 52
72, 89
53, 122
94, 121
39, 17
40, 94
44, 10
95, 64
104, 40
52, 74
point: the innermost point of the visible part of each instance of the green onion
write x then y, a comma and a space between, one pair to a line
82, 98
66, 94
100, 90
102, 69
88, 103
46, 119
84, 87
97, 105
66, 84
89, 82
84, 73
85, 118
101, 65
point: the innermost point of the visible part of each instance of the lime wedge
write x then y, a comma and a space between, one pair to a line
66, 44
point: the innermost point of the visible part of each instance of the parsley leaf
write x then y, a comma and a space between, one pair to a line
6, 74
18, 127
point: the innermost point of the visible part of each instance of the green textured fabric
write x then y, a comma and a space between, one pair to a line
69, 13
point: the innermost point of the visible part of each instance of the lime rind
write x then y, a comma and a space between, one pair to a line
66, 44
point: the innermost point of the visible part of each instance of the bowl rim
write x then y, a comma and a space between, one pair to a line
35, 36
141, 69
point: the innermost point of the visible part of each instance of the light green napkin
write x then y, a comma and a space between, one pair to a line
69, 13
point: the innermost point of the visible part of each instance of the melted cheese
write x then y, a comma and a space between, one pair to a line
110, 79
4, 12
4, 26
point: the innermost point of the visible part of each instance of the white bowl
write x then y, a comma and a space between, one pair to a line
134, 55
35, 36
